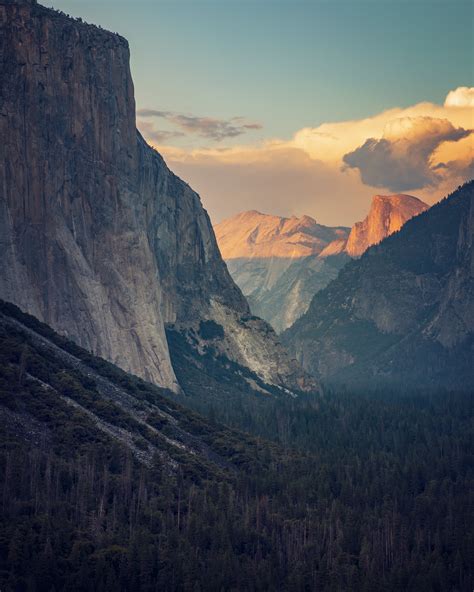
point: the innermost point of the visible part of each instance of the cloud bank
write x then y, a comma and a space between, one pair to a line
402, 159
331, 171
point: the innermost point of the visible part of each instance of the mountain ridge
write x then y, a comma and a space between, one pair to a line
280, 263
403, 311
253, 234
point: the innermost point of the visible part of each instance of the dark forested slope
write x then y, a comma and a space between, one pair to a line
108, 485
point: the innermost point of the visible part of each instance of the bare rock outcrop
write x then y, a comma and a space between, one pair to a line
388, 213
281, 263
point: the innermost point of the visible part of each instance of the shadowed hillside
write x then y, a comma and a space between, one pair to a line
403, 314
107, 485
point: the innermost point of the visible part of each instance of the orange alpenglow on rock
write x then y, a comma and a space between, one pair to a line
388, 213
277, 261
280, 263
253, 234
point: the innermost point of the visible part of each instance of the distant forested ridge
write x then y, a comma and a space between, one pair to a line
107, 484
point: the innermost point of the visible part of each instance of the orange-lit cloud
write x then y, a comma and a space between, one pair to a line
330, 141
430, 145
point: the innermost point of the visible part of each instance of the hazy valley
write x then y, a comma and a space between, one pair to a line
280, 264
266, 404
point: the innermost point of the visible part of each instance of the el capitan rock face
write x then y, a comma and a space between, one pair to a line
275, 261
404, 312
99, 238
388, 213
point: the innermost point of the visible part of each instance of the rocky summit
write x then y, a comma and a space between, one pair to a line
99, 239
388, 213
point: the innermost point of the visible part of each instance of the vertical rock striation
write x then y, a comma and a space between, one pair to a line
98, 237
388, 213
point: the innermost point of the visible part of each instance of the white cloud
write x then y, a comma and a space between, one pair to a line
462, 96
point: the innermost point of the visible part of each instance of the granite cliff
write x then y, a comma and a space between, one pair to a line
99, 239
404, 312
388, 213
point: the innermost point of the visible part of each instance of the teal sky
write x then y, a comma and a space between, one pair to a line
288, 64
215, 80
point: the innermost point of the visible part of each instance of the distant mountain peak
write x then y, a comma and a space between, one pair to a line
252, 234
280, 263
277, 261
388, 213
249, 214
400, 200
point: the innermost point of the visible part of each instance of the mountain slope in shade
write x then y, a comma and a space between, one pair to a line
292, 292
404, 311
108, 484
99, 238
388, 213
274, 260
113, 406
